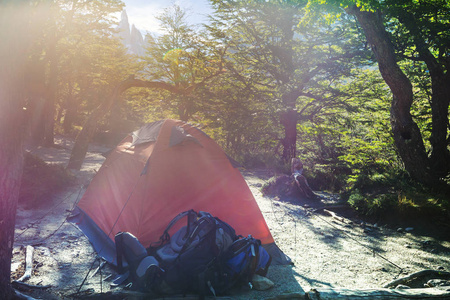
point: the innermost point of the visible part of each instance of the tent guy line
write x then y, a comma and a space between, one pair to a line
98, 257
47, 213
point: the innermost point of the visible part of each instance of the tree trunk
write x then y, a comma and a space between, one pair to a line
73, 103
115, 121
35, 121
50, 102
440, 155
407, 136
289, 142
11, 162
440, 98
36, 95
12, 127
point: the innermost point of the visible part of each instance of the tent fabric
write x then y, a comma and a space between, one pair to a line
146, 181
147, 133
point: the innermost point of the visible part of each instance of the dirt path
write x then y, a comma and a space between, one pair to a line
326, 252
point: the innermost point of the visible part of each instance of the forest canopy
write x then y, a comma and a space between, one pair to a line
358, 90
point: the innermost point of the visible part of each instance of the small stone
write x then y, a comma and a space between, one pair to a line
65, 265
438, 282
402, 287
261, 283
407, 245
15, 266
72, 238
400, 229
426, 242
44, 251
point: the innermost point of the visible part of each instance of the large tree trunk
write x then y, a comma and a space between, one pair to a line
440, 155
407, 136
289, 142
440, 98
11, 162
12, 127
289, 120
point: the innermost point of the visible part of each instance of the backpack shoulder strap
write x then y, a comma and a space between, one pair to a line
205, 224
191, 214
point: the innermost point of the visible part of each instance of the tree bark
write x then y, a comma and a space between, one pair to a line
11, 162
12, 128
407, 136
85, 136
72, 104
50, 101
289, 120
440, 98
440, 155
289, 142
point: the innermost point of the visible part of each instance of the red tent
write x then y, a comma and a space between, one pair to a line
158, 171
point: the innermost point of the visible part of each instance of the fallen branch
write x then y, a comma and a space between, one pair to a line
417, 275
331, 207
377, 294
334, 215
28, 264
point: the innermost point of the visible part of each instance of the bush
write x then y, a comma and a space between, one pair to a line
326, 177
394, 193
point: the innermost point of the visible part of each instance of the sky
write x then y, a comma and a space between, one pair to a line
142, 13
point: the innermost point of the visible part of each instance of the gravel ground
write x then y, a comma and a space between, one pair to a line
326, 252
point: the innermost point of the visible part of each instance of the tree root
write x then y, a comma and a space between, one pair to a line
417, 275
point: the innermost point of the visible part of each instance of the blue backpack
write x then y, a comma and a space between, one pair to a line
189, 253
205, 256
243, 259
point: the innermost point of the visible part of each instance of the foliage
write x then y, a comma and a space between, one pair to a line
74, 62
185, 59
295, 69
384, 195
253, 63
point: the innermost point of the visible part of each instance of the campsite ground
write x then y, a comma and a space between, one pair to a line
326, 251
